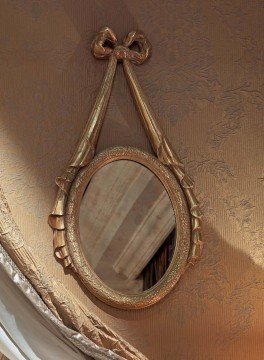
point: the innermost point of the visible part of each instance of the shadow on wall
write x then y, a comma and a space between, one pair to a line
213, 307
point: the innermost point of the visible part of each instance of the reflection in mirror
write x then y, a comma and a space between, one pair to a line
127, 226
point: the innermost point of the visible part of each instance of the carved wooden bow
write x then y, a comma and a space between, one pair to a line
105, 45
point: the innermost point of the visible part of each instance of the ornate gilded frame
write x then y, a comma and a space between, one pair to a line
167, 166
87, 274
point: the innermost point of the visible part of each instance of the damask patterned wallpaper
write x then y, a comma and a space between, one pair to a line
205, 82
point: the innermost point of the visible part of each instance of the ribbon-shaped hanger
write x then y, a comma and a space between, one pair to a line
105, 46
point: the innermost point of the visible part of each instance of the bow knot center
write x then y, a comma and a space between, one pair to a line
105, 45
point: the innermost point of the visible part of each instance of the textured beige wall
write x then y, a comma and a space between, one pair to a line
205, 82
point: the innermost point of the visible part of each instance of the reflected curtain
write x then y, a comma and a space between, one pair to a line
159, 263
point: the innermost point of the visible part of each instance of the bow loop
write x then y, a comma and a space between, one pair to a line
137, 38
105, 45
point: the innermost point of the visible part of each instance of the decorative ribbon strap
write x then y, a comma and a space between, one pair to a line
105, 46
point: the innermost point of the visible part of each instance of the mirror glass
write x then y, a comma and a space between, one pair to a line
127, 226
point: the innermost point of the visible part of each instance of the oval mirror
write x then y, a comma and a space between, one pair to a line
127, 226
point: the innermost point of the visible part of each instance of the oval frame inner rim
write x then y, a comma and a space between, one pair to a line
182, 219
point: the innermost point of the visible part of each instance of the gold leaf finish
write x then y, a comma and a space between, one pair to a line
87, 274
64, 217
